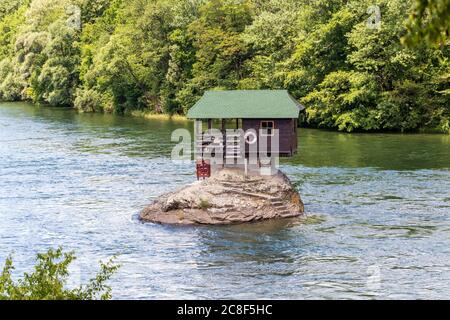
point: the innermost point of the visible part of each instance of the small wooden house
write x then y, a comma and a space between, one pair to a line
257, 109
251, 109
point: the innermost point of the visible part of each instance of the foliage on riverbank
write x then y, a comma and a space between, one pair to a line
48, 281
159, 56
158, 116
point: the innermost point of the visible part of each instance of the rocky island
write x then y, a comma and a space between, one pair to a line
229, 196
238, 159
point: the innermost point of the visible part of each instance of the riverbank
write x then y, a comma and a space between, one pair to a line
157, 116
149, 115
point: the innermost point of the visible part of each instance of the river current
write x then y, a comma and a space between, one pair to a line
377, 226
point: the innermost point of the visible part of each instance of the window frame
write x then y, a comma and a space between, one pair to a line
271, 134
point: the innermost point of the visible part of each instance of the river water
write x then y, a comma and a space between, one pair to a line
378, 209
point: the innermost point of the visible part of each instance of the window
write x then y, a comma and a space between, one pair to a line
267, 128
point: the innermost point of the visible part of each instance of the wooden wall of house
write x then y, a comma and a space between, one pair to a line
287, 130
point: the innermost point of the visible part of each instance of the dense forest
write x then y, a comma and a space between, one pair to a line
354, 66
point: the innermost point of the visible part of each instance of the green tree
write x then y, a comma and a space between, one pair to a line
10, 6
10, 22
161, 55
220, 51
48, 281
55, 81
320, 50
131, 65
271, 39
368, 80
429, 22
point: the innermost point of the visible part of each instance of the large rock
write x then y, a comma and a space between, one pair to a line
227, 197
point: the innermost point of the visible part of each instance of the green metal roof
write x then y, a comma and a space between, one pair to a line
245, 104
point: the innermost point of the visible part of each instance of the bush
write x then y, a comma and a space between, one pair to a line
9, 86
88, 100
49, 278
204, 204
